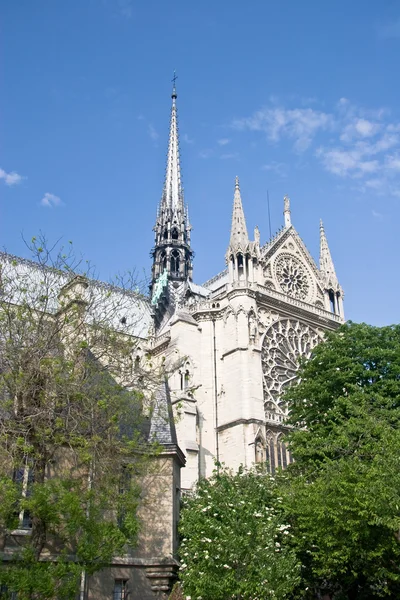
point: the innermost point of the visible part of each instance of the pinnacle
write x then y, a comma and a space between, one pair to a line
239, 235
326, 265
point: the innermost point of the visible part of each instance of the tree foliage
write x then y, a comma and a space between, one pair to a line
73, 403
335, 512
234, 539
343, 491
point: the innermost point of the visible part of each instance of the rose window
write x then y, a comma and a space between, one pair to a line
292, 276
284, 342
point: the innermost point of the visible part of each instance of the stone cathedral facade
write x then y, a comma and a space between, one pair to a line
240, 334
236, 338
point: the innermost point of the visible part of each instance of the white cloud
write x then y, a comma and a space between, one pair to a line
278, 167
10, 178
223, 141
349, 141
298, 124
346, 162
393, 162
360, 128
207, 153
50, 200
376, 214
152, 132
187, 139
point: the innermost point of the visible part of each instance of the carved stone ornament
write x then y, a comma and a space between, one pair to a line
292, 276
283, 343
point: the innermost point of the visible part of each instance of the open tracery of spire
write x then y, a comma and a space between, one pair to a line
239, 235
326, 265
172, 197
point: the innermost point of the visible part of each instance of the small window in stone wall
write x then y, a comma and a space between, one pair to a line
120, 589
184, 375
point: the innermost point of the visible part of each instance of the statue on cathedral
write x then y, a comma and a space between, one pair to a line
286, 204
252, 327
158, 287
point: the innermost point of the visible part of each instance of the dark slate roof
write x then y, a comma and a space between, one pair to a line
162, 427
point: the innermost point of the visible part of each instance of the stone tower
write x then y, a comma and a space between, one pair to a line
172, 254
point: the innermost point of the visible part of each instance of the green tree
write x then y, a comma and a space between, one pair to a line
234, 540
73, 400
343, 491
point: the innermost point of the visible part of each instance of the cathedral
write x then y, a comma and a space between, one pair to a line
239, 334
230, 346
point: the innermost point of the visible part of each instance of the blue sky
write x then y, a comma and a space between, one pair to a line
297, 98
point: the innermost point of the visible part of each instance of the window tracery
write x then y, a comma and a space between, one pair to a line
284, 342
185, 377
292, 276
175, 262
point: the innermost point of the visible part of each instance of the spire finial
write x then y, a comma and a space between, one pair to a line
174, 95
237, 183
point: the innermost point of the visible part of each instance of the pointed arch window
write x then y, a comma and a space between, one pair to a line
281, 451
175, 262
175, 233
337, 303
331, 294
185, 377
165, 234
163, 261
270, 453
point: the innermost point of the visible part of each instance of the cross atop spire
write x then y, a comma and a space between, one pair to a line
239, 235
172, 197
325, 261
174, 95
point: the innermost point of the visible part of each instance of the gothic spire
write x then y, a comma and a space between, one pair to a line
325, 261
172, 197
172, 254
239, 235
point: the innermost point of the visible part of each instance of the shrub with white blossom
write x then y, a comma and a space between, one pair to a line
235, 543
